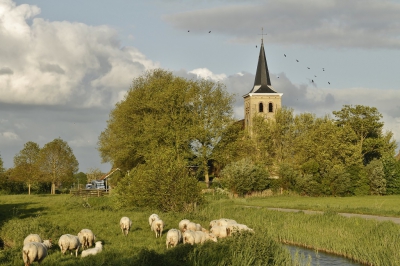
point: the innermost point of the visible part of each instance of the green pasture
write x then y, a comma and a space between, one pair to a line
50, 216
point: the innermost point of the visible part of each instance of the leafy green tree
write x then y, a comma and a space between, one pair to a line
81, 179
244, 176
212, 116
160, 183
57, 163
366, 124
25, 167
376, 176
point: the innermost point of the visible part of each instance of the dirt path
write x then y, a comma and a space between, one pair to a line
396, 220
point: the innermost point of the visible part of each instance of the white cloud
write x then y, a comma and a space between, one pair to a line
205, 73
8, 136
52, 63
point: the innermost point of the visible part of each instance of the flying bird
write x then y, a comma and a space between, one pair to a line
329, 83
323, 69
188, 30
308, 67
256, 46
312, 81
209, 32
297, 60
315, 76
284, 55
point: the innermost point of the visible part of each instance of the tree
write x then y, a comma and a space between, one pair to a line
57, 163
376, 177
212, 116
81, 179
365, 122
25, 166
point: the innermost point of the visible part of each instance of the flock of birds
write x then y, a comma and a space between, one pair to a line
312, 80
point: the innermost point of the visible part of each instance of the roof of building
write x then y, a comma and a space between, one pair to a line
262, 82
109, 173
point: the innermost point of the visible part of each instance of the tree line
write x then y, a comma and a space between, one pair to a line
170, 132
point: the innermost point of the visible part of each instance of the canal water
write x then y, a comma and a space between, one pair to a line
304, 256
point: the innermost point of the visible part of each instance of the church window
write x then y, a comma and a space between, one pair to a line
270, 107
260, 107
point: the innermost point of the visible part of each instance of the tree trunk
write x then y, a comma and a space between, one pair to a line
206, 177
29, 188
53, 188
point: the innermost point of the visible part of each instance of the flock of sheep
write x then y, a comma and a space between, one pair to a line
35, 249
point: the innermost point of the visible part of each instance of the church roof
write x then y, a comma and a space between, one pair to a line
262, 82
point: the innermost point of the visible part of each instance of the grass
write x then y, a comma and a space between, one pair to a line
366, 241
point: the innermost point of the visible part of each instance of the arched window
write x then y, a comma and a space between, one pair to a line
270, 107
260, 107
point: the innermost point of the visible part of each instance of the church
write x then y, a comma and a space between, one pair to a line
262, 99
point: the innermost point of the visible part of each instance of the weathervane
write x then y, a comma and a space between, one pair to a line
262, 35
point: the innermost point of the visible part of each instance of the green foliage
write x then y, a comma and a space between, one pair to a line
244, 176
57, 163
376, 176
159, 184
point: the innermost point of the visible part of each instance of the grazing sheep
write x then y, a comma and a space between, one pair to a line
32, 238
35, 251
183, 225
125, 224
233, 228
226, 222
152, 218
174, 237
93, 251
86, 237
194, 227
212, 237
189, 237
69, 242
219, 231
157, 226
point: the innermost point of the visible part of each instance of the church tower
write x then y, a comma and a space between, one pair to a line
262, 99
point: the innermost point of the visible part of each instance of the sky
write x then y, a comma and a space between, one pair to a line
65, 64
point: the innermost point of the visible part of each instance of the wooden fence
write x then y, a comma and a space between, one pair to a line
89, 192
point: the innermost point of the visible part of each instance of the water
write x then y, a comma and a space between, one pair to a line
318, 258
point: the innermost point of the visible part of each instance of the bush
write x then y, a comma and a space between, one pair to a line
243, 177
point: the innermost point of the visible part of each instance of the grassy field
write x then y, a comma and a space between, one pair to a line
370, 242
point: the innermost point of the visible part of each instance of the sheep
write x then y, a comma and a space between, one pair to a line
69, 242
194, 227
35, 251
125, 224
232, 228
212, 237
219, 231
197, 237
32, 238
93, 251
157, 226
174, 237
189, 237
86, 238
152, 218
226, 222
183, 225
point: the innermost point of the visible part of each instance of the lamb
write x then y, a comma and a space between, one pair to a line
86, 238
125, 224
32, 238
152, 218
69, 242
35, 251
174, 237
219, 231
93, 251
183, 225
157, 226
236, 228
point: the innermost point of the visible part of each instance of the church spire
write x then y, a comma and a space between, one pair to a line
262, 82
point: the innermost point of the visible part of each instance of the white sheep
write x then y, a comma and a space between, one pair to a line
233, 228
212, 237
125, 224
157, 226
219, 231
35, 251
174, 237
93, 251
152, 218
197, 237
189, 237
69, 242
33, 238
194, 227
86, 238
183, 225
226, 222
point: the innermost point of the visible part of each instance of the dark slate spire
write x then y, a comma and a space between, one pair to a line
262, 82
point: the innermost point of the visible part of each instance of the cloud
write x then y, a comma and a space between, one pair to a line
8, 136
334, 23
205, 73
62, 63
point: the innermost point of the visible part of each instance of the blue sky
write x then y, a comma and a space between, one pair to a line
64, 64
